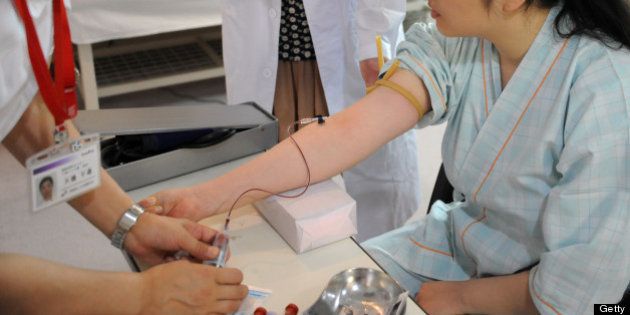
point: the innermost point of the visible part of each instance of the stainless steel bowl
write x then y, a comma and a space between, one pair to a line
360, 291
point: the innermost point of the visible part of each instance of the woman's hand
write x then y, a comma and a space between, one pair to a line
441, 297
180, 203
507, 294
183, 287
154, 239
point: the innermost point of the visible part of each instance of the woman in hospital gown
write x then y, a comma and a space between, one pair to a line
540, 167
537, 149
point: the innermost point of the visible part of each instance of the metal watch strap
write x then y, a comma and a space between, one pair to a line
127, 220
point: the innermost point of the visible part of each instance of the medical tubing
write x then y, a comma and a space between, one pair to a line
305, 121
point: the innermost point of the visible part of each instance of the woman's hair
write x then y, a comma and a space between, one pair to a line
605, 20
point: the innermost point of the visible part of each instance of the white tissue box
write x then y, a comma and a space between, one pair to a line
324, 214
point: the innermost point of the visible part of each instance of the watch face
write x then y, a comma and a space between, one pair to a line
130, 217
127, 220
136, 209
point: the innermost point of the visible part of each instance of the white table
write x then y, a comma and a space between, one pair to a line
265, 258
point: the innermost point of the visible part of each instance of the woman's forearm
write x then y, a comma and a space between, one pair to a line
498, 295
341, 142
34, 286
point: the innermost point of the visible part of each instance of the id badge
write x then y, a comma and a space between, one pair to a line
64, 171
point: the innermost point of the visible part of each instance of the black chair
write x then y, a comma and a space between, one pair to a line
443, 190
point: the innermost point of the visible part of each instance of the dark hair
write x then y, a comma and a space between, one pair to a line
605, 20
45, 179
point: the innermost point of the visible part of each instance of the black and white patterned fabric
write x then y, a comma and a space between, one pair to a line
296, 43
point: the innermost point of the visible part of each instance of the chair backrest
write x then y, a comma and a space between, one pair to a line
442, 190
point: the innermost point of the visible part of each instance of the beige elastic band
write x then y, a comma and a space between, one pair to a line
404, 92
398, 88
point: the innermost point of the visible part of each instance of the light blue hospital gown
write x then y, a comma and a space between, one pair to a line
542, 170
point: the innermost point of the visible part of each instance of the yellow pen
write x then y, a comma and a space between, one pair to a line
379, 51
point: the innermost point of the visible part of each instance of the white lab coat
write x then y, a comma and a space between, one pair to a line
17, 82
386, 185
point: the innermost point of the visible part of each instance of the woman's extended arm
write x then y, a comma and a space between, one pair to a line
344, 140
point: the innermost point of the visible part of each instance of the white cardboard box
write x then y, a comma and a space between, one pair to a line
324, 214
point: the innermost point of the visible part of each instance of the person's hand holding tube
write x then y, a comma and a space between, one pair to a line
154, 239
207, 290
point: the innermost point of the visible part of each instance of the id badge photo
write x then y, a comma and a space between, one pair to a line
64, 171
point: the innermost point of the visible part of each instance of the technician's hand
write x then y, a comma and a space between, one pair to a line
180, 203
183, 287
153, 239
369, 70
441, 297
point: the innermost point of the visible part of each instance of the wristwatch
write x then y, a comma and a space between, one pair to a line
127, 220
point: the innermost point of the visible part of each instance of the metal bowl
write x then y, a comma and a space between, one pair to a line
360, 291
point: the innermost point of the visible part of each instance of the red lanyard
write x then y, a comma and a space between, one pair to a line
60, 94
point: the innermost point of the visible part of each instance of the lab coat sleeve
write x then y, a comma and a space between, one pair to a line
586, 220
380, 17
17, 82
434, 59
